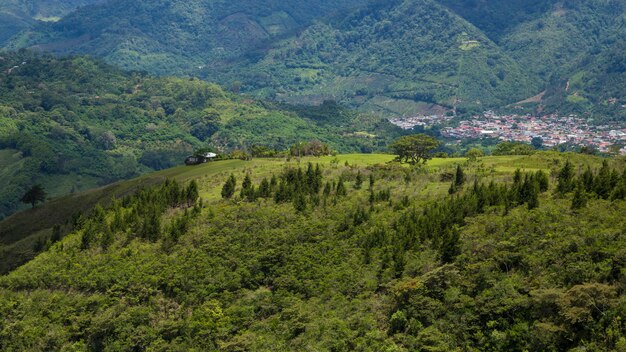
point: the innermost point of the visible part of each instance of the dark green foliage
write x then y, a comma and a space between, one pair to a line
265, 190
191, 194
246, 187
425, 271
580, 197
341, 190
34, 195
565, 178
358, 183
228, 190
73, 124
414, 149
459, 176
299, 202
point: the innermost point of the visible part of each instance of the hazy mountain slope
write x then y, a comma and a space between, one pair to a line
414, 51
18, 15
498, 17
596, 88
73, 124
177, 37
556, 43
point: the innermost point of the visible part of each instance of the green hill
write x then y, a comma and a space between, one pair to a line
74, 124
176, 37
19, 15
388, 56
393, 58
315, 260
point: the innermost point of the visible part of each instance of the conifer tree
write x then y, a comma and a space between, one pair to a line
327, 189
246, 185
602, 183
543, 180
533, 193
580, 197
192, 194
452, 189
565, 178
273, 183
341, 188
459, 177
228, 190
358, 183
264, 189
588, 179
299, 202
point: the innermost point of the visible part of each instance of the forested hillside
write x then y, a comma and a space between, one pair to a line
515, 253
390, 55
74, 123
393, 58
176, 37
18, 15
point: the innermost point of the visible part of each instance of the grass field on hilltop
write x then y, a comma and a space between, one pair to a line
20, 232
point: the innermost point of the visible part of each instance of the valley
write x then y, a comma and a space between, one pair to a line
355, 175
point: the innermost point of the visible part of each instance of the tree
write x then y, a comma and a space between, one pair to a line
459, 177
414, 149
580, 198
192, 193
565, 178
34, 195
228, 190
359, 181
246, 187
341, 189
473, 154
537, 142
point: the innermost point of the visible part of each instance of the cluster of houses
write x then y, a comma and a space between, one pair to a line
552, 129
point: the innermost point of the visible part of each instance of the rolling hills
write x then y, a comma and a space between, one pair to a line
74, 124
399, 265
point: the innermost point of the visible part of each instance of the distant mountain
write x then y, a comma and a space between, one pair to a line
399, 55
176, 37
18, 15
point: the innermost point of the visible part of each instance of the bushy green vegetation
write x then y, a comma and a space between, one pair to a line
503, 264
73, 123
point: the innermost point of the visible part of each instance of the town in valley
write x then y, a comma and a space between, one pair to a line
553, 129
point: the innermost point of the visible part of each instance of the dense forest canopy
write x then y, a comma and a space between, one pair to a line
338, 254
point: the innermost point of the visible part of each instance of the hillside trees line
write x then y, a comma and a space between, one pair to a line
140, 216
304, 188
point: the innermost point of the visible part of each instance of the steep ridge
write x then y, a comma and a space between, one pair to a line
175, 37
414, 51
